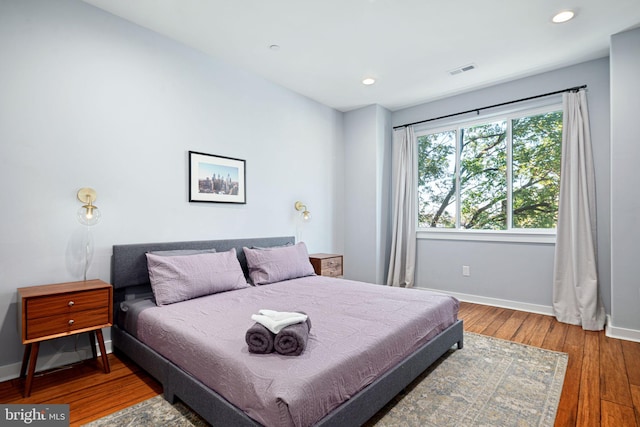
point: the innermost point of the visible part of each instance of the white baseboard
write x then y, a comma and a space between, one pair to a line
496, 302
621, 333
9, 372
610, 331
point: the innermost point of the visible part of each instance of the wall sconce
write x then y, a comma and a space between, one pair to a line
88, 214
306, 215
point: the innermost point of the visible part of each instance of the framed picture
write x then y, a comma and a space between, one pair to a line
216, 179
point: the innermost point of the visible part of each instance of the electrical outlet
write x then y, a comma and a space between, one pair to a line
466, 271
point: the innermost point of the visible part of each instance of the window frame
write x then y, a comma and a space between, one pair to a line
511, 234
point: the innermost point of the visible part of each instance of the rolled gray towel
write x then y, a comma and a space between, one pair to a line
292, 340
259, 339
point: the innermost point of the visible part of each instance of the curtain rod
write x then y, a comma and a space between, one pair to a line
571, 89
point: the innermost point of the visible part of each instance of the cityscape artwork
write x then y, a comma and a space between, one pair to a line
216, 179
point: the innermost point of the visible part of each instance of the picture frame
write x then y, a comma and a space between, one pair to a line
216, 179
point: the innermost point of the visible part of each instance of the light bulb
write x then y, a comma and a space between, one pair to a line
88, 215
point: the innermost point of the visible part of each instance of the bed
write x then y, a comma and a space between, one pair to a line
335, 388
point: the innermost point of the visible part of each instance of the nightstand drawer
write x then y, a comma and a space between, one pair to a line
331, 267
68, 303
65, 323
327, 264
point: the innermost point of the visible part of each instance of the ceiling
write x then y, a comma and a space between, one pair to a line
326, 47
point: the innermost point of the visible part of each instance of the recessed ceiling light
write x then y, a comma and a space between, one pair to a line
274, 47
368, 81
563, 16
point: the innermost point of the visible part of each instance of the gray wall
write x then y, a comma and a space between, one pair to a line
367, 139
520, 273
625, 193
88, 99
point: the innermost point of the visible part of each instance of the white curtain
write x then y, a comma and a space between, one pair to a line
402, 261
576, 299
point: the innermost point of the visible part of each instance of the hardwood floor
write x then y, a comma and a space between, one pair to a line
601, 387
90, 393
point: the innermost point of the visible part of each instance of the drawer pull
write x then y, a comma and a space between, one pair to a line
71, 304
71, 322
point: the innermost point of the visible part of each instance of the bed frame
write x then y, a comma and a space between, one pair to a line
130, 279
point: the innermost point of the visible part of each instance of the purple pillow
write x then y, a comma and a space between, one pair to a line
182, 252
183, 277
269, 265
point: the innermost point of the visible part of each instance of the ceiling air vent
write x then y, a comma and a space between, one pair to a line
462, 69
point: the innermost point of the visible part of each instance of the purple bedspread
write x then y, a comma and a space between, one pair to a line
359, 331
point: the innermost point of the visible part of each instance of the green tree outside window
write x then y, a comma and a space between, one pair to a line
476, 159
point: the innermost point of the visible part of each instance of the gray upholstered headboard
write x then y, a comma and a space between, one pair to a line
129, 263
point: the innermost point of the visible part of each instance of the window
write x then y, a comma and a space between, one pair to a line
499, 174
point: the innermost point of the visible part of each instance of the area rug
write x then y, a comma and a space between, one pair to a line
490, 382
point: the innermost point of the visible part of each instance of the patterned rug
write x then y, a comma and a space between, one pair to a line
490, 382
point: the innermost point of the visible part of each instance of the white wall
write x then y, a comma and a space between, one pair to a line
625, 193
88, 99
519, 273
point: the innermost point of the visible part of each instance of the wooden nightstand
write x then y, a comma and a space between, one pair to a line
327, 264
53, 311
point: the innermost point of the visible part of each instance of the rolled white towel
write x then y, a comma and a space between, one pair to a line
276, 320
281, 315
